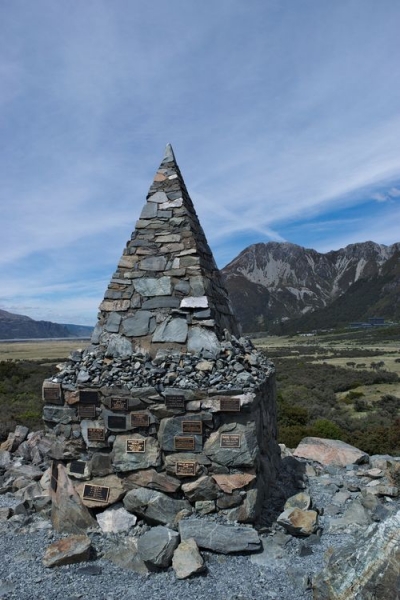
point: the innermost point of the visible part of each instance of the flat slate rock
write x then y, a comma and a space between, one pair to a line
220, 538
330, 452
154, 506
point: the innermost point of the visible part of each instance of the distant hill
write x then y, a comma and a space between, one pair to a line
282, 287
14, 326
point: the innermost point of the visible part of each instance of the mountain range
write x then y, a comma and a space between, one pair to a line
282, 287
14, 326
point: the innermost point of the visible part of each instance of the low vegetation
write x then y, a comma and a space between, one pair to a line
21, 393
334, 388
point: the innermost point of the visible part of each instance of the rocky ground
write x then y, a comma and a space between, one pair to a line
342, 512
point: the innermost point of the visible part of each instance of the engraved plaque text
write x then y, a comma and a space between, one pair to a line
175, 401
230, 440
187, 468
96, 434
229, 404
135, 445
192, 427
97, 493
184, 442
86, 411
119, 403
140, 419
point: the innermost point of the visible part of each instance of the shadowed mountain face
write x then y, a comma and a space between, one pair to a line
281, 282
14, 326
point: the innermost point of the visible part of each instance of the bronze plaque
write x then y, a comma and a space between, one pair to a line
230, 440
96, 434
140, 419
135, 445
119, 403
184, 442
175, 401
96, 493
229, 404
187, 467
52, 395
88, 397
77, 466
192, 427
87, 411
114, 422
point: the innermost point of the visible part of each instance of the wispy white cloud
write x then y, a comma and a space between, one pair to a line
284, 120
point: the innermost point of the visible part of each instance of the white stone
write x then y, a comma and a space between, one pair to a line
116, 520
194, 302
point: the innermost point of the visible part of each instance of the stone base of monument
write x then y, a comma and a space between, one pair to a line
198, 436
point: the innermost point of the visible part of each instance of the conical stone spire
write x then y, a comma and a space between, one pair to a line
167, 291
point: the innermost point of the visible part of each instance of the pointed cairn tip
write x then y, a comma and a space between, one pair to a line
169, 153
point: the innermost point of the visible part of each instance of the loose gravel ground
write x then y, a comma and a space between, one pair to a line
23, 577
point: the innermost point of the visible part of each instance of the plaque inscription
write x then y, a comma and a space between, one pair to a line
96, 434
119, 403
175, 401
192, 427
135, 445
77, 466
230, 440
116, 422
187, 467
96, 493
184, 442
52, 395
229, 404
140, 419
87, 411
88, 397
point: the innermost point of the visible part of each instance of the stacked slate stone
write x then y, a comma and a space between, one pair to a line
167, 288
167, 409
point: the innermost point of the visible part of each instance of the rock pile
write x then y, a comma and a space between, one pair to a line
337, 538
168, 409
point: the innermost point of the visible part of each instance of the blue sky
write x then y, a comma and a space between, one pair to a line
284, 116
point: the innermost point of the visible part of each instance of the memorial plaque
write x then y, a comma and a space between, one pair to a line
96, 434
88, 397
184, 442
192, 427
187, 467
54, 476
135, 445
230, 440
77, 466
140, 419
52, 395
96, 493
116, 422
229, 404
119, 403
175, 401
87, 411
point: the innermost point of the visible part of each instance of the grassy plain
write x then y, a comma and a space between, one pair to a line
343, 385
39, 349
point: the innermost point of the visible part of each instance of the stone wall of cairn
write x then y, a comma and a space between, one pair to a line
168, 408
206, 443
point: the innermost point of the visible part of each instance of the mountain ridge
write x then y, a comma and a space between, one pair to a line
274, 282
16, 326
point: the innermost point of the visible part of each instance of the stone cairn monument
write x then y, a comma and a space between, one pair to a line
168, 408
